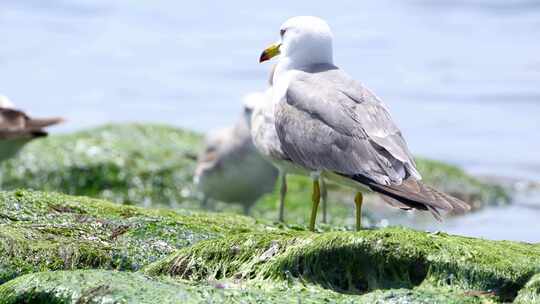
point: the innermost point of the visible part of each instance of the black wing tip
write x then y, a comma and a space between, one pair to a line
387, 191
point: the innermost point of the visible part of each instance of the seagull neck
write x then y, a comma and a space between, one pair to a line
288, 66
284, 65
302, 63
283, 72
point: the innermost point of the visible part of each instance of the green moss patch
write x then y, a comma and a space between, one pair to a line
143, 164
98, 286
531, 292
40, 231
90, 287
427, 296
360, 262
190, 257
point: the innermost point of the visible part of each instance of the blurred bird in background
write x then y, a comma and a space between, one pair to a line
17, 128
229, 168
265, 138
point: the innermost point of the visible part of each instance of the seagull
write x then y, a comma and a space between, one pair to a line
332, 126
265, 138
230, 169
17, 128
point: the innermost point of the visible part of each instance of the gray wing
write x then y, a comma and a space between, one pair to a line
331, 122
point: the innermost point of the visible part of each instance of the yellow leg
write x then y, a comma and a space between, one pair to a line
324, 201
315, 200
358, 202
282, 194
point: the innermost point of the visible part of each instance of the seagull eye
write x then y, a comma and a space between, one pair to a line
282, 32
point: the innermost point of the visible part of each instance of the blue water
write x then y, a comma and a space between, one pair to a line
462, 78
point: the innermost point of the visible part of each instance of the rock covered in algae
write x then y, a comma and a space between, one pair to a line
43, 231
531, 292
90, 286
143, 164
361, 262
99, 286
111, 253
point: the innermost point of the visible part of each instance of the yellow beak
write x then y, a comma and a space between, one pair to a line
270, 52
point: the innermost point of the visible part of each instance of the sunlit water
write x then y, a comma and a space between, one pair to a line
462, 78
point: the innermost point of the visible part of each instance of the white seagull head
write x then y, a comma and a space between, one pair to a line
305, 40
252, 102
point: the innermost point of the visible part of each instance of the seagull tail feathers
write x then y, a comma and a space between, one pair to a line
36, 124
413, 194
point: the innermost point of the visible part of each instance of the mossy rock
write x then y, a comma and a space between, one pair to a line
143, 164
42, 231
91, 286
98, 286
531, 292
360, 262
190, 257
427, 295
152, 165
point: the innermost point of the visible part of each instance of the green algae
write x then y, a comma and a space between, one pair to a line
360, 262
46, 231
426, 296
530, 293
10, 147
190, 257
90, 287
142, 164
117, 287
98, 286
